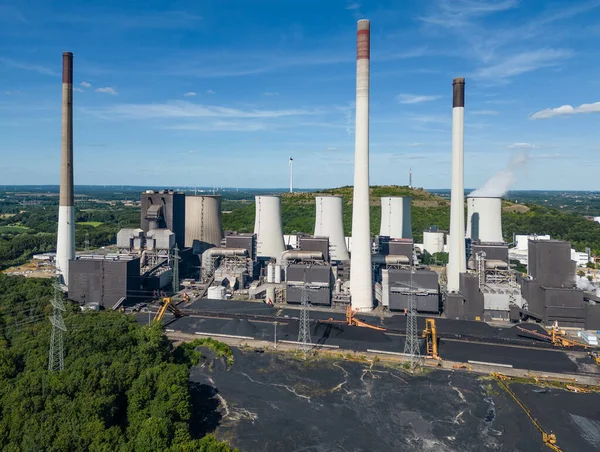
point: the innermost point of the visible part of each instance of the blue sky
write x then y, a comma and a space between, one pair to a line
222, 92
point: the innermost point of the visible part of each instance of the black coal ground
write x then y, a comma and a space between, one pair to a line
272, 402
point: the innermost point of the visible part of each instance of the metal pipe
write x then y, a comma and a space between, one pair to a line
361, 285
390, 259
289, 255
221, 252
65, 244
456, 245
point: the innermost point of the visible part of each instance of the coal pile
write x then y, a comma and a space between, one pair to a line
520, 332
270, 403
237, 327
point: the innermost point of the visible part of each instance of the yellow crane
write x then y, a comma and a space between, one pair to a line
431, 338
548, 438
167, 304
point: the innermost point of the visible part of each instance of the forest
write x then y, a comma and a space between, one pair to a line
124, 386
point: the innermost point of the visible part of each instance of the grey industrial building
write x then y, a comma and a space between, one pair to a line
422, 284
164, 209
467, 304
104, 280
318, 279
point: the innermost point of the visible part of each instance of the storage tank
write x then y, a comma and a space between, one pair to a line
433, 241
277, 273
203, 226
270, 271
267, 227
396, 221
484, 219
329, 222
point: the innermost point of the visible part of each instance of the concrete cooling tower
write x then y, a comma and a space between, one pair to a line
329, 222
267, 227
203, 226
396, 221
484, 219
433, 241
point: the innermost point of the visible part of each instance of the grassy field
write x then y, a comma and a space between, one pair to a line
13, 229
94, 224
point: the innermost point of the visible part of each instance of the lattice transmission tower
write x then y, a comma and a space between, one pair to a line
411, 346
56, 360
304, 339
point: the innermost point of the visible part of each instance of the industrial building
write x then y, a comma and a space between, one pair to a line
164, 209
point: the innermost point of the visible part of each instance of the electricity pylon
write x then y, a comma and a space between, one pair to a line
304, 339
411, 346
56, 356
175, 270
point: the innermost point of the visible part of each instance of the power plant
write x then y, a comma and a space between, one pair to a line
182, 234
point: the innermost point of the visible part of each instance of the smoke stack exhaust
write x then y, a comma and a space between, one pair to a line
456, 247
361, 285
65, 246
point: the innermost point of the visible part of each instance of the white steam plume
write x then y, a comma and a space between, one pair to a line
499, 183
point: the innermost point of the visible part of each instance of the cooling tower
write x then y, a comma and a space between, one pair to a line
203, 227
433, 241
457, 260
65, 243
484, 219
361, 283
396, 221
329, 222
267, 227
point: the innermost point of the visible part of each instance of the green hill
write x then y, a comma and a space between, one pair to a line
298, 215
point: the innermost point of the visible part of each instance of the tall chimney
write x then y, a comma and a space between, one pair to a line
361, 285
456, 246
65, 246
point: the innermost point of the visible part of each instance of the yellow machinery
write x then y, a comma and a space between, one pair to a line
559, 339
596, 357
548, 438
430, 335
350, 320
167, 304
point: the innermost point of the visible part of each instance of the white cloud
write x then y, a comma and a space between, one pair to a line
271, 93
566, 110
184, 109
79, 90
107, 90
221, 126
86, 84
210, 91
28, 67
414, 145
521, 146
485, 112
415, 98
521, 63
353, 5
333, 148
190, 94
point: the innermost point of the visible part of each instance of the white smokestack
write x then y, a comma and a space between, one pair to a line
291, 175
396, 220
65, 244
484, 219
267, 227
361, 284
329, 222
456, 243
203, 226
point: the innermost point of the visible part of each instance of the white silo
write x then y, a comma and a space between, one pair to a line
329, 222
203, 226
484, 219
396, 219
433, 241
267, 227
